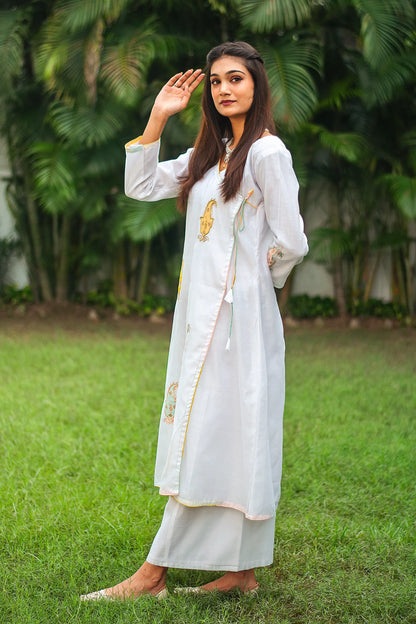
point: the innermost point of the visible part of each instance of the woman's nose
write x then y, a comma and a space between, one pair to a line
224, 88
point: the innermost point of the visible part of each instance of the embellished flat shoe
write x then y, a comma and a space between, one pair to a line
102, 595
201, 590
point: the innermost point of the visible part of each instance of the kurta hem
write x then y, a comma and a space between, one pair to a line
212, 503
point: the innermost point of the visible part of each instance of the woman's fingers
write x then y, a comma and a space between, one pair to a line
187, 80
174, 78
194, 80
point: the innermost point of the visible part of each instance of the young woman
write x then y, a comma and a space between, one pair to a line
219, 452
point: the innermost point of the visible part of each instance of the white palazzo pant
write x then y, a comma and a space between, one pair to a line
211, 538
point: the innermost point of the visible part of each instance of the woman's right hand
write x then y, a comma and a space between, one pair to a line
172, 98
176, 93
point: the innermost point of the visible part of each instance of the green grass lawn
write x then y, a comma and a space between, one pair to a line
79, 412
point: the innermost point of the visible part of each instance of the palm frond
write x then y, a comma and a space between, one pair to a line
293, 88
54, 176
353, 147
124, 64
385, 27
339, 92
403, 191
102, 162
349, 145
327, 243
270, 15
93, 203
142, 221
409, 139
59, 59
83, 125
382, 85
11, 47
76, 15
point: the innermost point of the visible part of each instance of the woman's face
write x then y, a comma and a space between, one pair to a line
232, 87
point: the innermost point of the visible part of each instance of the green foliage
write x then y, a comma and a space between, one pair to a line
144, 220
54, 168
327, 243
351, 146
307, 307
11, 47
378, 309
13, 295
85, 126
403, 189
270, 15
385, 28
104, 297
289, 65
79, 78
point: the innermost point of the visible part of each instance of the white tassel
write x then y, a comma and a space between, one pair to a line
228, 345
229, 296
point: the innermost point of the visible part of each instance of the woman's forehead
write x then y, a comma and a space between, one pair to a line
227, 64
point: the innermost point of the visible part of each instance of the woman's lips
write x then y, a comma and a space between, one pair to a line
227, 102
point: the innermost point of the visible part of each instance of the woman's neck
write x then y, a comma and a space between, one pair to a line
238, 129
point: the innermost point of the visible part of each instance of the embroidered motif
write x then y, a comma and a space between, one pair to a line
170, 403
272, 254
206, 221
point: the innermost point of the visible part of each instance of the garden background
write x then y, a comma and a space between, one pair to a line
78, 80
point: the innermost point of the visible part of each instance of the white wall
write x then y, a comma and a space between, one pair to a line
315, 279
17, 273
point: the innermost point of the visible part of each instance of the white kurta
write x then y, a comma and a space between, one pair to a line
220, 435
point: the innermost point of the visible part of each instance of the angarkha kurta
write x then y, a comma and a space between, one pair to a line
220, 435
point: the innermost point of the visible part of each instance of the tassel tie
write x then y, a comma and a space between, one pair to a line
239, 226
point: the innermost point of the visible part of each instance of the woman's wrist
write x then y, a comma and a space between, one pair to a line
155, 126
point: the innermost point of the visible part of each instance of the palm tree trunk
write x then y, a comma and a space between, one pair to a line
144, 272
339, 288
370, 277
45, 287
62, 273
283, 294
119, 272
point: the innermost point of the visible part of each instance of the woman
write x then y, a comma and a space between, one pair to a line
220, 439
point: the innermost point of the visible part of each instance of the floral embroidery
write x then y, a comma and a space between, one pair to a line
206, 221
170, 403
272, 254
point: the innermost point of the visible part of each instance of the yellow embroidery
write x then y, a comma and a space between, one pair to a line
206, 221
180, 280
170, 403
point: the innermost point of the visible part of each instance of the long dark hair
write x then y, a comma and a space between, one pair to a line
209, 145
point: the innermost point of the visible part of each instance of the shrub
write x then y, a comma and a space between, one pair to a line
304, 306
378, 308
16, 296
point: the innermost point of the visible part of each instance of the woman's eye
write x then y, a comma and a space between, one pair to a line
236, 79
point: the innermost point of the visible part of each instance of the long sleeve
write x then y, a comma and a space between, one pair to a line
146, 178
277, 180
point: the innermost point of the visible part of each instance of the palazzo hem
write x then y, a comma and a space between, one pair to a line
211, 538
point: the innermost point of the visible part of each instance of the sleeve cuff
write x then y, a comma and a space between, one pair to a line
135, 145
